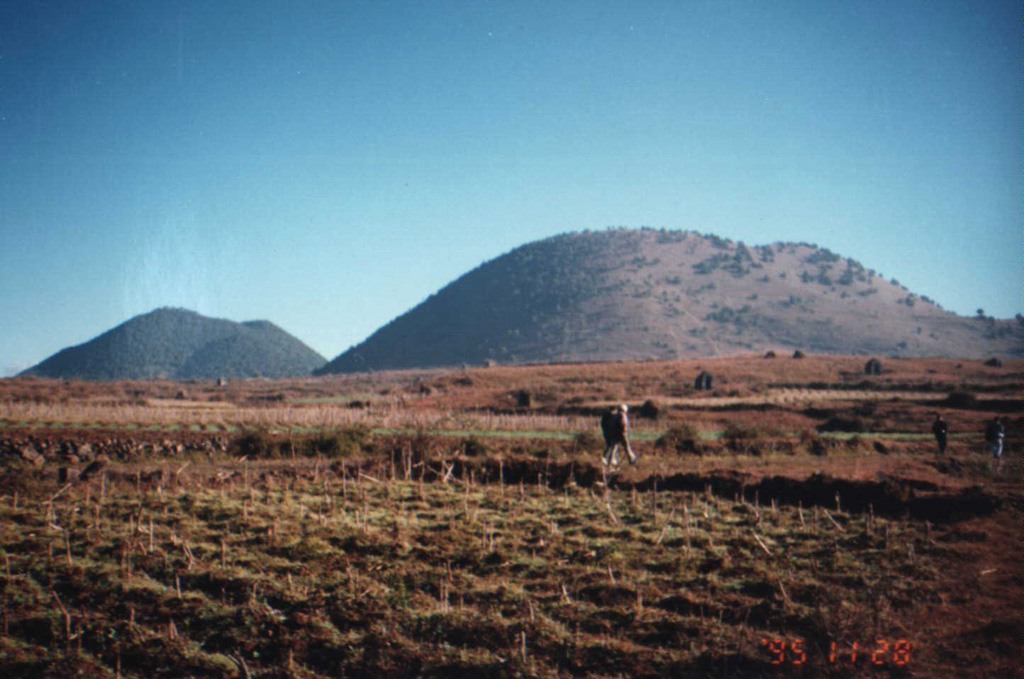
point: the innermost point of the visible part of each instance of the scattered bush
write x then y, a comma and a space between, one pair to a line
543, 453
739, 437
680, 439
813, 443
650, 410
961, 399
586, 441
529, 398
474, 447
866, 409
741, 432
341, 443
846, 424
255, 443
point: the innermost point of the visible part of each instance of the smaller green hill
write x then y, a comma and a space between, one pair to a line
182, 344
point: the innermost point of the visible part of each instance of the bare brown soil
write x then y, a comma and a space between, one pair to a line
678, 566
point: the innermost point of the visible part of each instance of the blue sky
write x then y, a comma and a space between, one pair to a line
328, 165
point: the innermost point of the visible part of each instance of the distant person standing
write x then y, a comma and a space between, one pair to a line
615, 427
940, 429
994, 433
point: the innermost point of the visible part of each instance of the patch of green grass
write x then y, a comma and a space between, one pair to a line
893, 436
347, 398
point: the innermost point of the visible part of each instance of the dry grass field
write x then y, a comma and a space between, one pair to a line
794, 520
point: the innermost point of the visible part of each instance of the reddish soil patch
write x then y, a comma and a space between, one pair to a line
974, 629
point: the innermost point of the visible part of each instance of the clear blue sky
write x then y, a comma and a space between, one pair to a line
328, 165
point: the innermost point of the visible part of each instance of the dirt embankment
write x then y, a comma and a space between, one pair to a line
889, 496
888, 493
36, 447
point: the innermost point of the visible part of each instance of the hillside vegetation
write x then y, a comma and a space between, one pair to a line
181, 344
645, 294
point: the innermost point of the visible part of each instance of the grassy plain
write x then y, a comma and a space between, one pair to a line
455, 523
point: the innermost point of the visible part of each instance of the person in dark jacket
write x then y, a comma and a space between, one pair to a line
940, 429
994, 433
615, 427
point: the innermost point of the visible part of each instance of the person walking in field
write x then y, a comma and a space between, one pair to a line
615, 427
940, 429
994, 433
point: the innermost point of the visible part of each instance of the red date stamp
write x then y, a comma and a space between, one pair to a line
881, 653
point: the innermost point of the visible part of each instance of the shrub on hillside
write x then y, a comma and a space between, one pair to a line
340, 443
474, 447
739, 437
536, 396
546, 453
961, 399
585, 441
680, 439
813, 443
846, 424
255, 443
741, 432
866, 408
650, 410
